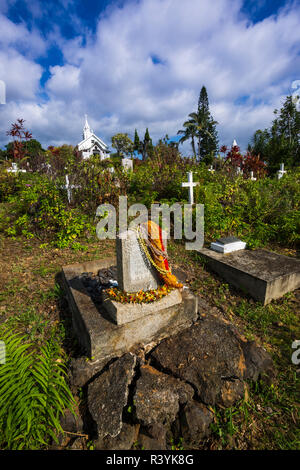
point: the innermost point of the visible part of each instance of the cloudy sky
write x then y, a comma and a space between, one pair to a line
141, 63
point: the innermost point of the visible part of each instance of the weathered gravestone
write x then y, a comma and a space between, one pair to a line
109, 329
262, 274
135, 271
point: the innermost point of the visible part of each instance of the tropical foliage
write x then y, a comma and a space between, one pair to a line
200, 128
281, 142
33, 393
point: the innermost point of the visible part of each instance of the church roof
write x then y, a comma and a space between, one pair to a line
93, 136
87, 131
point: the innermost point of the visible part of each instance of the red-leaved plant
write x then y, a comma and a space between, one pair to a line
255, 164
234, 157
19, 134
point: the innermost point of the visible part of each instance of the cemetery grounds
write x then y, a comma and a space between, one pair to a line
33, 304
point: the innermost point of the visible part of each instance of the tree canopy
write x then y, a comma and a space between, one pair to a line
200, 128
281, 142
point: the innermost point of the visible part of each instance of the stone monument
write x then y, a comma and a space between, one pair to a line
134, 269
135, 273
262, 274
107, 328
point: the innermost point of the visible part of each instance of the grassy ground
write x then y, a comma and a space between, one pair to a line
31, 301
268, 418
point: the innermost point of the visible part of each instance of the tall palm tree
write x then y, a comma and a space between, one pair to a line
190, 132
200, 124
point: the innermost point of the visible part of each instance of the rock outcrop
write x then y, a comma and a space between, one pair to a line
148, 402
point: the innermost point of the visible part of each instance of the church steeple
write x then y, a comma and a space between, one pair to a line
87, 131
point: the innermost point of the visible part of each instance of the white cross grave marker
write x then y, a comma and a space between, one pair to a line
69, 188
281, 172
190, 184
14, 169
211, 169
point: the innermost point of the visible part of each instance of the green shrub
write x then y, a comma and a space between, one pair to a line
40, 210
267, 210
10, 183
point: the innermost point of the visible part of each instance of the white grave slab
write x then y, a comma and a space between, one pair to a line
228, 245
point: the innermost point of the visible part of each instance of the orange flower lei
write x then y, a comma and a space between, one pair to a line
157, 254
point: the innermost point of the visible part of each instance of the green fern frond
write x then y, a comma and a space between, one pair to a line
33, 393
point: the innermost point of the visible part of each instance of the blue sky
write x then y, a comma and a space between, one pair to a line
141, 63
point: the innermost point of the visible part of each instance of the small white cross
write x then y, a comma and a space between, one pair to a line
14, 169
69, 188
211, 168
281, 172
190, 184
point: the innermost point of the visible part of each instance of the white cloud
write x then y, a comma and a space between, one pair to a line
18, 36
110, 75
21, 76
64, 81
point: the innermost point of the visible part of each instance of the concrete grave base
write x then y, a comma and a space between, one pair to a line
125, 313
100, 337
262, 274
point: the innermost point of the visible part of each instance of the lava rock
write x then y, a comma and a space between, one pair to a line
77, 444
82, 370
195, 420
152, 437
157, 396
107, 395
123, 441
208, 356
258, 362
71, 423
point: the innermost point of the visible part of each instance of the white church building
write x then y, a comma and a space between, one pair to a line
91, 144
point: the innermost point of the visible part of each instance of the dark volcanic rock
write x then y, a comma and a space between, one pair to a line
195, 420
152, 437
82, 370
208, 356
157, 396
123, 441
71, 423
258, 362
107, 395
